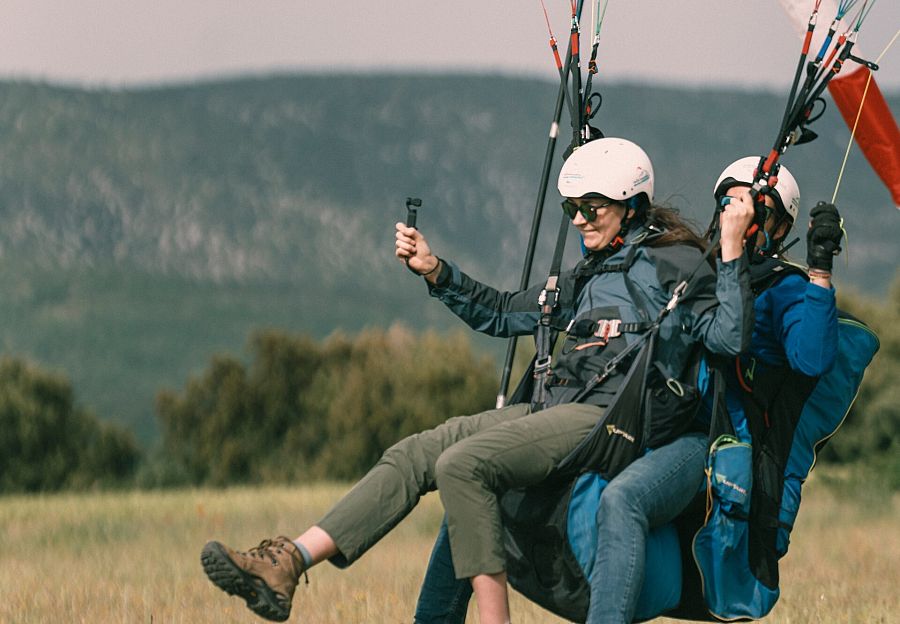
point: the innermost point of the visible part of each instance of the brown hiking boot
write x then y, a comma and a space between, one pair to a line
264, 576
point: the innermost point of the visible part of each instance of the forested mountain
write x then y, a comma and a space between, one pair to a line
144, 230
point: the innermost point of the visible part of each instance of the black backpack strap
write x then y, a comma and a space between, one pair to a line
636, 295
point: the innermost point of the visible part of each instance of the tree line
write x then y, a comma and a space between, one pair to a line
301, 409
47, 442
308, 410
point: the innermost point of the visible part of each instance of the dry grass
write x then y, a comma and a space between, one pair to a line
134, 557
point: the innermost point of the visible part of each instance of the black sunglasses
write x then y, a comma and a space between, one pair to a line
588, 211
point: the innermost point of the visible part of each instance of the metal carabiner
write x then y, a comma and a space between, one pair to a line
675, 386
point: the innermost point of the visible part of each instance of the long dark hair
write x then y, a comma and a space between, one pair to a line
676, 230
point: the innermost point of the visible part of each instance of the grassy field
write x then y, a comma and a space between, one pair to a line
134, 557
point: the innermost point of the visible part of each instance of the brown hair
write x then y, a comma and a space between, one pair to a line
676, 230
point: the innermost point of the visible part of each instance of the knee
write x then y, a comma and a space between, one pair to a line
455, 465
619, 503
408, 451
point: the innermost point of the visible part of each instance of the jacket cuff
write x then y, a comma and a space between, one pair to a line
444, 275
443, 280
820, 293
736, 264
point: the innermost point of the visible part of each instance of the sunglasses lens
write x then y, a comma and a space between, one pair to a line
569, 208
587, 211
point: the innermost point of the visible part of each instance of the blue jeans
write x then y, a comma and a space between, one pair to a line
443, 598
650, 492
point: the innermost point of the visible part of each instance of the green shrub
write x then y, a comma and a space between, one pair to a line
48, 443
305, 410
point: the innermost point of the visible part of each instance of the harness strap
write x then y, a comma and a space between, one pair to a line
589, 269
649, 328
600, 327
653, 328
611, 267
769, 270
548, 301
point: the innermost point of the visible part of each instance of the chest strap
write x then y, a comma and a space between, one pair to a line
609, 328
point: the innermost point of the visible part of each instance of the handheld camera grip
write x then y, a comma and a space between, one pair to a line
411, 204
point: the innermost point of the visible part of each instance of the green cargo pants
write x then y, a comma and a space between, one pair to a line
470, 460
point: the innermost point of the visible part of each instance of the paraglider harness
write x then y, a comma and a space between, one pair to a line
719, 558
730, 564
773, 398
630, 397
534, 518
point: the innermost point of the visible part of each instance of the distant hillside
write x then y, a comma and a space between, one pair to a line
144, 230
256, 179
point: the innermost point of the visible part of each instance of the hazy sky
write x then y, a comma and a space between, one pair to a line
122, 42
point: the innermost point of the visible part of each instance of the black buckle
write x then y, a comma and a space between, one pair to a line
542, 365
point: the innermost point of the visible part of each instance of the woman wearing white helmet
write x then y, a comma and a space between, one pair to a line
782, 201
794, 340
608, 185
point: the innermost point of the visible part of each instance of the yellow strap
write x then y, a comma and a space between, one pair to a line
709, 497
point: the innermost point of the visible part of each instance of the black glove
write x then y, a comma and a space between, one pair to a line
823, 240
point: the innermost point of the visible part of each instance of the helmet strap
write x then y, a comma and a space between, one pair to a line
618, 240
631, 204
639, 205
774, 245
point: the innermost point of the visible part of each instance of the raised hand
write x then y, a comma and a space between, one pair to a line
412, 249
823, 239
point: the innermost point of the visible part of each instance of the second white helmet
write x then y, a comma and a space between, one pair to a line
614, 168
786, 192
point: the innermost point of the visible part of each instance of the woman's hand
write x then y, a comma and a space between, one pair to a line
412, 249
734, 220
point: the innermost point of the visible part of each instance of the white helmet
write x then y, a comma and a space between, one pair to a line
786, 192
615, 168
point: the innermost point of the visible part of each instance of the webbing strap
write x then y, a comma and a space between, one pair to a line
548, 301
561, 236
680, 291
720, 419
543, 359
649, 334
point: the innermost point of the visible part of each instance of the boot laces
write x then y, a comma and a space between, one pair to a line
269, 548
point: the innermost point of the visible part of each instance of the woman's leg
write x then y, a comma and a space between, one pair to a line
267, 575
472, 473
392, 488
492, 598
443, 598
318, 545
650, 492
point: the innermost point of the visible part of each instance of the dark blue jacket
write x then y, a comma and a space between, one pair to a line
796, 325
